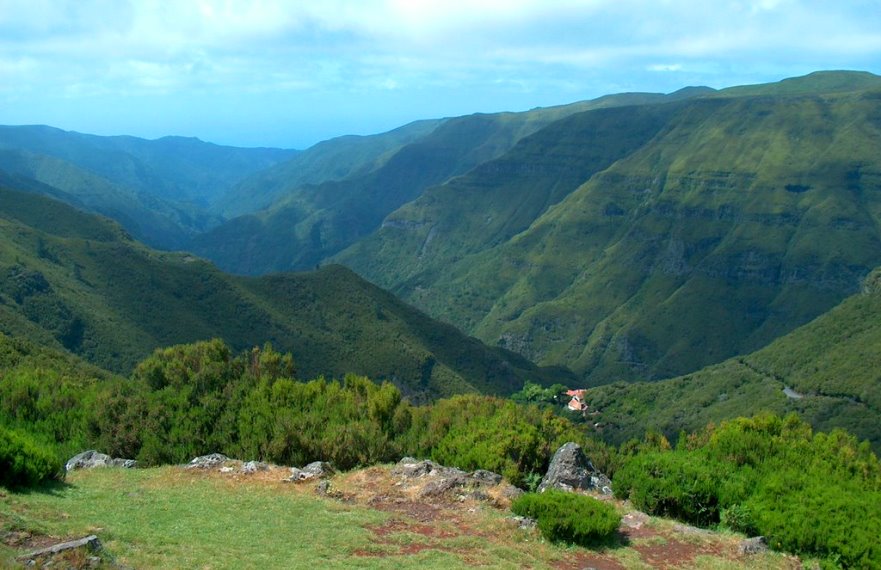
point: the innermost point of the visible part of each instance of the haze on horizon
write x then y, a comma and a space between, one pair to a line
289, 74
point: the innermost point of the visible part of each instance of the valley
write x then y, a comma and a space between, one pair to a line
704, 264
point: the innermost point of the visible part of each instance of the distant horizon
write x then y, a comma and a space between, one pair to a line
291, 74
398, 125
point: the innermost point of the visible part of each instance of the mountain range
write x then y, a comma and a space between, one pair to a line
635, 237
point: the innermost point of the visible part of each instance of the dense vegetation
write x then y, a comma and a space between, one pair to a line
24, 462
815, 494
810, 493
831, 366
71, 280
189, 400
571, 518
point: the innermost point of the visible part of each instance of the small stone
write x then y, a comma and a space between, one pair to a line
254, 466
524, 523
207, 461
226, 469
485, 477
410, 468
754, 545
315, 470
511, 492
634, 519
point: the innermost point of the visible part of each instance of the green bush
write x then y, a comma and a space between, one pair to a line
569, 517
812, 494
739, 518
23, 462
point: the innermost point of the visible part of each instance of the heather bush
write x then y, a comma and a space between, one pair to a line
569, 517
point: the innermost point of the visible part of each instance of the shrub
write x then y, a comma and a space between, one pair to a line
23, 462
568, 517
812, 494
738, 518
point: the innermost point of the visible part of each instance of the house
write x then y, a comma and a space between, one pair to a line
577, 403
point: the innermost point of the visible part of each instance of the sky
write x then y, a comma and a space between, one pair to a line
292, 73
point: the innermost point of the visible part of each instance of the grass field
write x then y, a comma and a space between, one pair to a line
172, 518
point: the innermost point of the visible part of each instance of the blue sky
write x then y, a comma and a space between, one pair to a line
288, 73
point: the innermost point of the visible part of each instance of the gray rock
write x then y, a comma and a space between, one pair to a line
479, 495
445, 482
525, 523
254, 466
754, 545
635, 519
315, 470
511, 492
91, 543
484, 477
208, 461
319, 469
91, 459
410, 468
571, 470
323, 488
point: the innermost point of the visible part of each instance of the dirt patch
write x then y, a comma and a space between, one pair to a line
589, 560
675, 554
404, 550
396, 525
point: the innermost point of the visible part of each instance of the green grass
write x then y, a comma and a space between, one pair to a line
171, 518
164, 518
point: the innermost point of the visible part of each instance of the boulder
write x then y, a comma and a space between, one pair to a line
91, 459
208, 461
571, 470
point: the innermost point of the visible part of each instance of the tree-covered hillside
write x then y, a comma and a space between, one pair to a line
829, 371
159, 190
714, 226
75, 281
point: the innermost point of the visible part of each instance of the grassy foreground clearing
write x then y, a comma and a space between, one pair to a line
170, 518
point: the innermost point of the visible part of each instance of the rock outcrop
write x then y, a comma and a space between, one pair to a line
441, 480
91, 459
571, 470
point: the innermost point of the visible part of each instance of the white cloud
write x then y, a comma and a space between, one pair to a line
214, 47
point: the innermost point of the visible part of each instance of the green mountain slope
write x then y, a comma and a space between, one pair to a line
312, 222
830, 366
739, 220
334, 159
173, 168
497, 200
71, 280
148, 218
